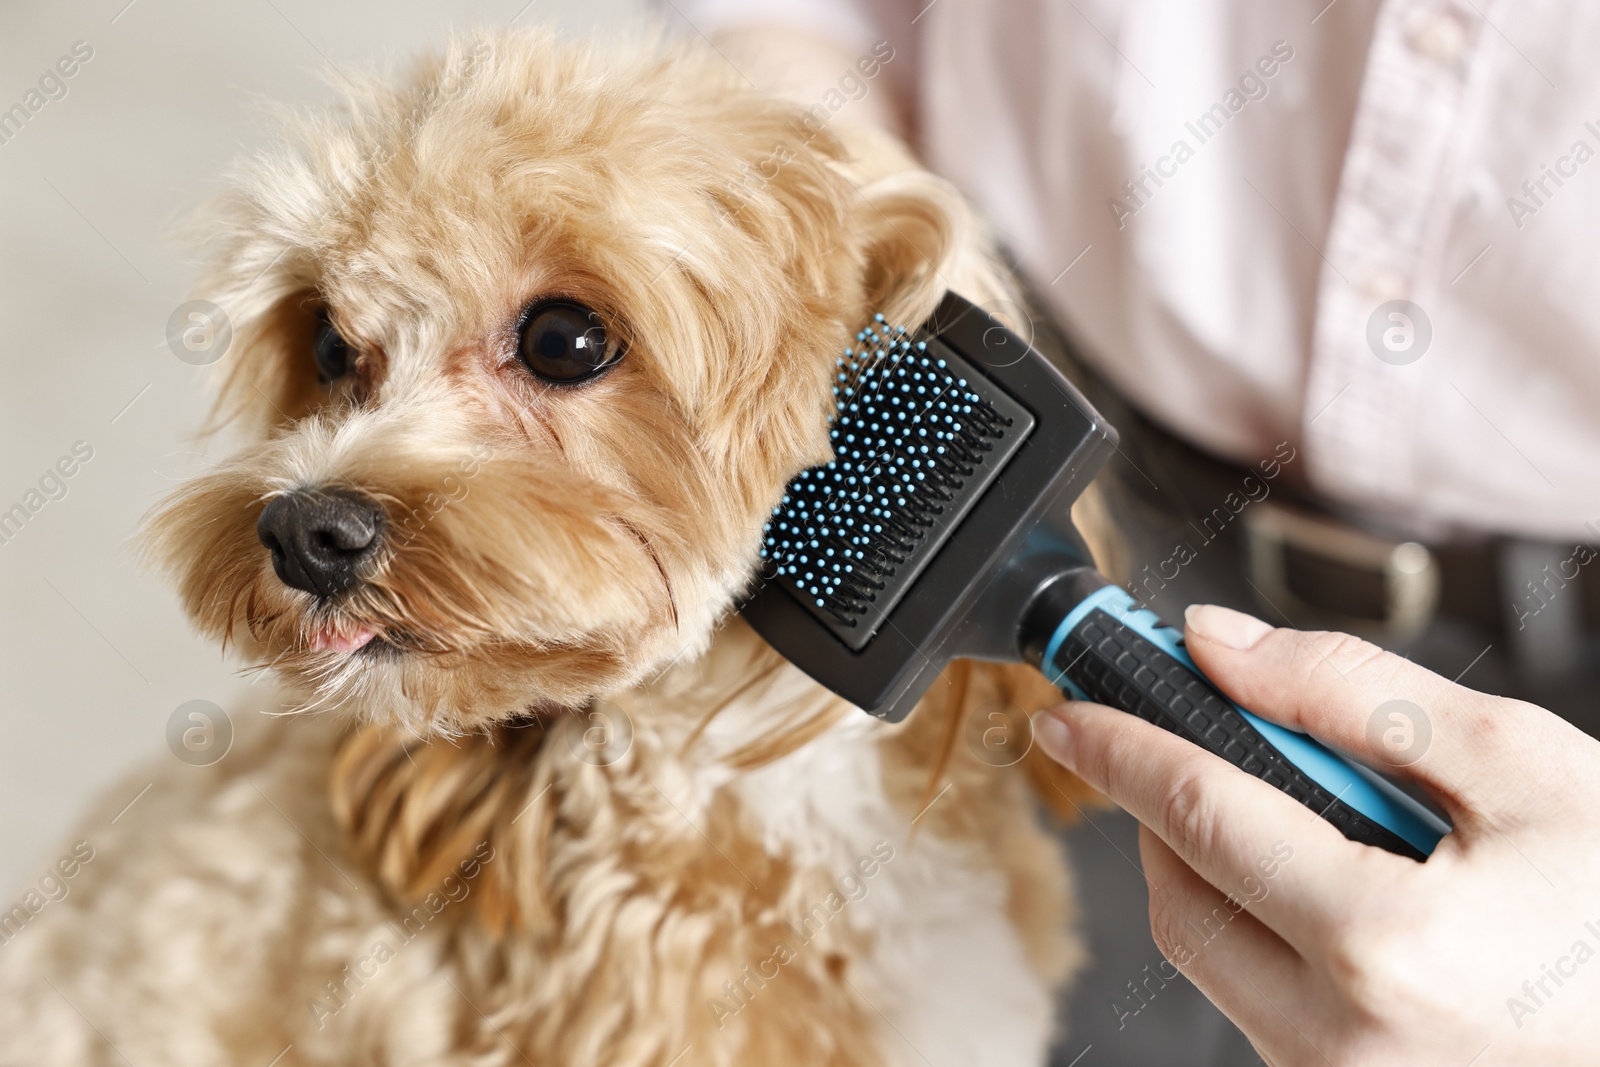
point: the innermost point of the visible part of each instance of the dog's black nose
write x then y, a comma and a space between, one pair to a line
320, 538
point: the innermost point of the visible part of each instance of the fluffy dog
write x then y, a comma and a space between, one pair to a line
528, 343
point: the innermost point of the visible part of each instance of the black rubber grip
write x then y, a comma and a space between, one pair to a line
1116, 666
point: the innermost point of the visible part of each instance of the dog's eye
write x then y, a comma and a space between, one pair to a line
564, 342
333, 356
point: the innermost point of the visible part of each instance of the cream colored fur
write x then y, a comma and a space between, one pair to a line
587, 815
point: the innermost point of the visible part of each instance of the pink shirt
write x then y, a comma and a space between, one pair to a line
1220, 198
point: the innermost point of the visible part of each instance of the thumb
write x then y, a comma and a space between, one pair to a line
1476, 752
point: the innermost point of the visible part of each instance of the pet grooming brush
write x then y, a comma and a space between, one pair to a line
942, 528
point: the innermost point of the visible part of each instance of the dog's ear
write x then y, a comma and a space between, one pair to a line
914, 228
834, 225
267, 375
257, 309
777, 289
919, 239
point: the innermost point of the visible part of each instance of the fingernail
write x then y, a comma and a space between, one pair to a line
1225, 626
1054, 736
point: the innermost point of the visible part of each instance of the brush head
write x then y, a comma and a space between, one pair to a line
918, 436
958, 450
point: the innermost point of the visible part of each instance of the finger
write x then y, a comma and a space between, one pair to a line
1388, 712
1228, 954
1225, 824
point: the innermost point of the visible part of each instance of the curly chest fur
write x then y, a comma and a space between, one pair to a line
728, 866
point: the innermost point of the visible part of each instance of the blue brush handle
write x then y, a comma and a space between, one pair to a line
1111, 651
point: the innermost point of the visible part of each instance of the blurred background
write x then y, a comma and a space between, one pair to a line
95, 655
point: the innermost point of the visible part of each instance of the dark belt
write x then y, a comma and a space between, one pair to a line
1541, 597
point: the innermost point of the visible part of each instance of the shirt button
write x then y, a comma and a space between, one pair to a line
1440, 37
1383, 285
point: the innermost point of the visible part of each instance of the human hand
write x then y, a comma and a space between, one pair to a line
1489, 953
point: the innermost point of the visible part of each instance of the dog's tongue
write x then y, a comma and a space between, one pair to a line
327, 639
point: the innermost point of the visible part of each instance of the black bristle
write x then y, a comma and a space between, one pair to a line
911, 431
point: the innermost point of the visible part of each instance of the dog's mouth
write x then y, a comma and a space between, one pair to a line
348, 638
341, 638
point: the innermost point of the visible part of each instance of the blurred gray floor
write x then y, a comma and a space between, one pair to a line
1104, 1023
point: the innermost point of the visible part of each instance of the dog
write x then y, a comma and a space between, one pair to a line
526, 344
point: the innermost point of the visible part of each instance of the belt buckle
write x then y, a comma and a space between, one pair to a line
1410, 572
